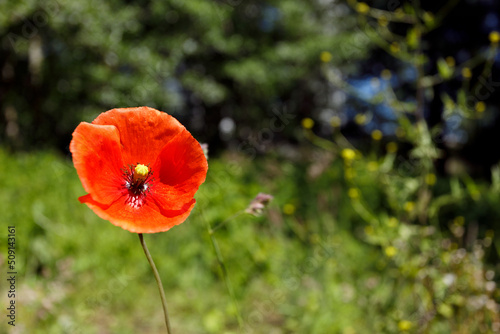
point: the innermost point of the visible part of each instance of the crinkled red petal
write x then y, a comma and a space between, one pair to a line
97, 158
149, 218
180, 169
143, 132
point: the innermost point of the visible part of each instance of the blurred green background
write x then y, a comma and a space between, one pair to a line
373, 124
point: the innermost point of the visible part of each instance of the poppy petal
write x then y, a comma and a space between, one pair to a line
149, 218
129, 137
97, 159
181, 168
143, 131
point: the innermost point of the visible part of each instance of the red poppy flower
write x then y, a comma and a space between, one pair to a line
140, 166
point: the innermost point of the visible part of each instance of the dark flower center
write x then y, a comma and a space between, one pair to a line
137, 182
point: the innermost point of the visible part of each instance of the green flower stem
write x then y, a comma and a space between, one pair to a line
229, 287
158, 281
222, 266
227, 220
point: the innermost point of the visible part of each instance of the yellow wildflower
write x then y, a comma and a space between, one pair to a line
289, 209
325, 57
353, 193
430, 179
466, 73
362, 8
494, 37
348, 154
391, 147
377, 135
307, 123
480, 106
390, 251
404, 325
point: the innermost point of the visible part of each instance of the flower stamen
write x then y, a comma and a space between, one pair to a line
137, 183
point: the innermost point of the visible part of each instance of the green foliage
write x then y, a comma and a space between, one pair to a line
357, 239
311, 265
67, 61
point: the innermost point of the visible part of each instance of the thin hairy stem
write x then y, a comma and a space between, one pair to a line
158, 281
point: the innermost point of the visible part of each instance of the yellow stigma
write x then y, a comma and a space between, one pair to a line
140, 172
